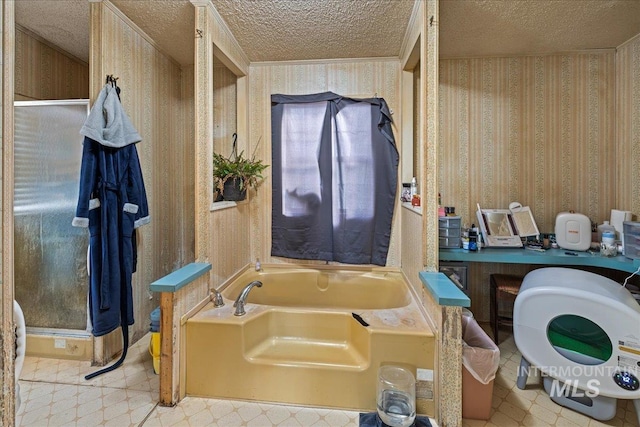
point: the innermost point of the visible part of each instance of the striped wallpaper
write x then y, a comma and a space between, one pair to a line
556, 132
158, 97
224, 108
222, 236
43, 71
628, 126
534, 129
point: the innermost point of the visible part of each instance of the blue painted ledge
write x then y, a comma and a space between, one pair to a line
444, 291
179, 278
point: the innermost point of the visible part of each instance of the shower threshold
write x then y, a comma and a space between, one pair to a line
59, 343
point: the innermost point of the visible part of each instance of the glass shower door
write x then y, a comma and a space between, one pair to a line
50, 255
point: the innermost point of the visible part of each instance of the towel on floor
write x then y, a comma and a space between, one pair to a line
371, 419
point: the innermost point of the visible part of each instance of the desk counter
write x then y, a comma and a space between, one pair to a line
548, 257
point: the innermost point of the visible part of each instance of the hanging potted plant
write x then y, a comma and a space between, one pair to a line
234, 174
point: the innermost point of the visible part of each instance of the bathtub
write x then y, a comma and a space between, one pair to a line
299, 341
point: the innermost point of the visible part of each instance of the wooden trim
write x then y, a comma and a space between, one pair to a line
631, 40
410, 42
523, 54
96, 78
203, 73
226, 42
166, 349
447, 387
325, 61
7, 400
95, 85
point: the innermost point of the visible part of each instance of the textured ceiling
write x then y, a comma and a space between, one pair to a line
273, 30
495, 27
65, 23
281, 30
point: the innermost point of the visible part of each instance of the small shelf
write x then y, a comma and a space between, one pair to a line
225, 204
416, 209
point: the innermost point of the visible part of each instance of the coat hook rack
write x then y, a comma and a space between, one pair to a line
111, 79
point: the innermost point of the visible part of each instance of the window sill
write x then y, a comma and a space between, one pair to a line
216, 206
416, 209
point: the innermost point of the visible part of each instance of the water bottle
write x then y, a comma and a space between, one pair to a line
608, 238
414, 186
396, 401
473, 238
605, 227
608, 245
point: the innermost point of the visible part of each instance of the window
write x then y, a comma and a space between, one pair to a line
335, 167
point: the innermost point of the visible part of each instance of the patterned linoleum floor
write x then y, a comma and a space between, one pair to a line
512, 407
55, 393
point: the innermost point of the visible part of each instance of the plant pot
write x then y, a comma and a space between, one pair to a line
232, 190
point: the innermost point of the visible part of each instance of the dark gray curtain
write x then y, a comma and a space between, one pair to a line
335, 168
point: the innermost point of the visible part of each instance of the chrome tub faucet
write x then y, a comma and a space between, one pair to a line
242, 298
216, 297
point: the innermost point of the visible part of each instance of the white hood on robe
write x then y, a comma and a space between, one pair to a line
108, 123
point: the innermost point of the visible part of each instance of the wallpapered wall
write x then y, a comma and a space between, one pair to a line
556, 132
533, 129
43, 71
167, 242
224, 109
223, 236
229, 227
628, 126
158, 98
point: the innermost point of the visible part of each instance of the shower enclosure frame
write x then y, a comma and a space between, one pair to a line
44, 341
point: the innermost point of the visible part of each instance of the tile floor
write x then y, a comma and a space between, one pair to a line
512, 407
55, 393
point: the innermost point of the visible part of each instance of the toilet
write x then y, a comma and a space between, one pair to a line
21, 345
581, 331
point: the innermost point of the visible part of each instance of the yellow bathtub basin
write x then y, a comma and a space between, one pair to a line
293, 347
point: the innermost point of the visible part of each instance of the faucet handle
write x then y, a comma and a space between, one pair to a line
217, 299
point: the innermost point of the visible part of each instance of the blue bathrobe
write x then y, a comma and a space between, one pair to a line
112, 203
